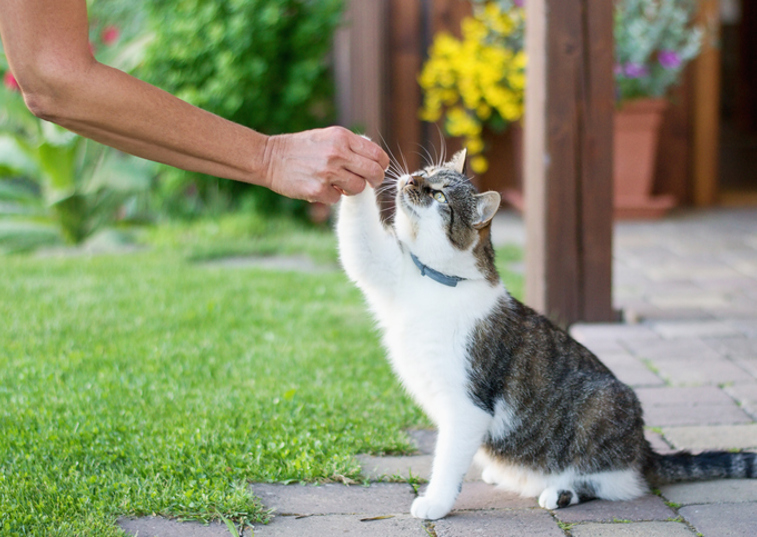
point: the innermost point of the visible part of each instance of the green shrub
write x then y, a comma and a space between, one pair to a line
260, 63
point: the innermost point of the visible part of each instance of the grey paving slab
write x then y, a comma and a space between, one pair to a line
666, 349
505, 523
684, 396
649, 507
161, 527
321, 526
375, 500
657, 442
704, 300
720, 491
639, 529
382, 468
636, 374
699, 371
660, 416
738, 347
742, 392
722, 520
696, 329
700, 438
478, 495
587, 333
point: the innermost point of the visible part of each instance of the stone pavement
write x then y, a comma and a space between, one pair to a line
687, 287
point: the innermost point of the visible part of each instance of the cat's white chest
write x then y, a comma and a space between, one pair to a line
428, 331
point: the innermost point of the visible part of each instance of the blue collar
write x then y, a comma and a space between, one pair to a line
449, 281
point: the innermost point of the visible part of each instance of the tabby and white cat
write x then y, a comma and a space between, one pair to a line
541, 413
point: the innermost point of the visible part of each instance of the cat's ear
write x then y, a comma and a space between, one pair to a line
488, 205
457, 162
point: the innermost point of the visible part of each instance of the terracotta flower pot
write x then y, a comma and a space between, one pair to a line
637, 128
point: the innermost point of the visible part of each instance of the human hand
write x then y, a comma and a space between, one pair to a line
321, 164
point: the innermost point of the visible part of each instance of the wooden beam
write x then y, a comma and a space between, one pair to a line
359, 65
568, 160
706, 111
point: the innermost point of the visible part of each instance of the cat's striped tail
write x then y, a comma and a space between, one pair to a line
684, 466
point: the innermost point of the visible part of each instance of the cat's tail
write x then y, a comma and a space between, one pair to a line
685, 466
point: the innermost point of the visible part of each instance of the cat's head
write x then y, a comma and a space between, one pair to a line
443, 219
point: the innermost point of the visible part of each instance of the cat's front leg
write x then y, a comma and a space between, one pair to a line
461, 430
369, 252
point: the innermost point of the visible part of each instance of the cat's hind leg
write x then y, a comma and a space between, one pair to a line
569, 489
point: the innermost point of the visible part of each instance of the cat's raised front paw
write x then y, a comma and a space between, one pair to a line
430, 508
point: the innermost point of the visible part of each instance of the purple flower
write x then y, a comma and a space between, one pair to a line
635, 70
669, 59
519, 3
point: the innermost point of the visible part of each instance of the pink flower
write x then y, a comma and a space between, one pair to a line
110, 35
669, 59
10, 81
519, 3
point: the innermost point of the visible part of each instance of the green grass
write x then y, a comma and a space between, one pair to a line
144, 383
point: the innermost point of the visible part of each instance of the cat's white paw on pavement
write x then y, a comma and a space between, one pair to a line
430, 508
553, 498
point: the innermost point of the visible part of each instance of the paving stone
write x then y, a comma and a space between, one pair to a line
638, 529
505, 523
636, 374
700, 438
162, 527
587, 333
688, 396
424, 440
698, 372
734, 347
380, 468
667, 349
649, 507
333, 499
478, 495
720, 491
722, 520
319, 526
657, 442
695, 329
694, 415
742, 392
703, 300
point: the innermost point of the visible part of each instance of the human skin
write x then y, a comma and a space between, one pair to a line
47, 46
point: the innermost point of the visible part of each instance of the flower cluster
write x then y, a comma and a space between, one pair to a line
654, 40
479, 79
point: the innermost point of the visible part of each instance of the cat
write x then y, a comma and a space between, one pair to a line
541, 414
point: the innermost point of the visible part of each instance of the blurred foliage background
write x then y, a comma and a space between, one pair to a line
262, 63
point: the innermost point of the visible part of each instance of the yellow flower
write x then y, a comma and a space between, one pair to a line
479, 164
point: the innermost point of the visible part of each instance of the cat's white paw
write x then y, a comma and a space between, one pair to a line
430, 508
553, 498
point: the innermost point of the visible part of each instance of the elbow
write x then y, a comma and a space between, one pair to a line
48, 88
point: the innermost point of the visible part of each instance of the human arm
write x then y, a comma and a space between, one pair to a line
47, 45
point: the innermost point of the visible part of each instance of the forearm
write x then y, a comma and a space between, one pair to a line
121, 111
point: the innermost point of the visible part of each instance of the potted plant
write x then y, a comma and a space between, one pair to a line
477, 83
654, 40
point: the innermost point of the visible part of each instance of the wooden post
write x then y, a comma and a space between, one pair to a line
707, 108
568, 159
359, 65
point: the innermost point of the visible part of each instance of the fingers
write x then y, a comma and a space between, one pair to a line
365, 148
362, 158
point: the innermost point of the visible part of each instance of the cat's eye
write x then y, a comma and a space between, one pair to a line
440, 197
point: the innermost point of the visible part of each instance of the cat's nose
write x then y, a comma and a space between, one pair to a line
413, 181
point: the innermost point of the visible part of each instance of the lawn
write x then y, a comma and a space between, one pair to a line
153, 383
